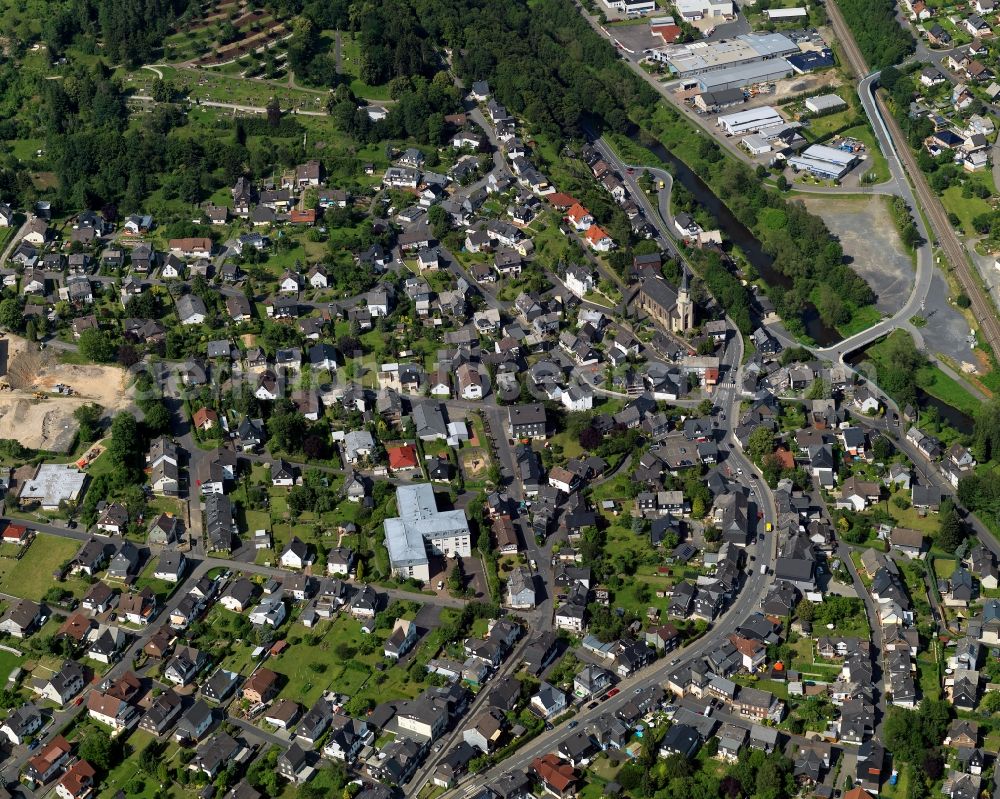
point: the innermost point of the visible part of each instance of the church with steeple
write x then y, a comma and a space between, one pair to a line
673, 309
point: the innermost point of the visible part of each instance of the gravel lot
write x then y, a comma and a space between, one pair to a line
869, 239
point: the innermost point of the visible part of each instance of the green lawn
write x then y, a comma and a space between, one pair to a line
8, 662
337, 662
804, 663
927, 676
31, 576
127, 776
161, 588
821, 127
950, 391
967, 208
900, 790
911, 518
25, 149
351, 64
567, 445
943, 568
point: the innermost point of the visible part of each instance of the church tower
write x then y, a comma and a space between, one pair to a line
684, 319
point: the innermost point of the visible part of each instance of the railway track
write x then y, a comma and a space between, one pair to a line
953, 249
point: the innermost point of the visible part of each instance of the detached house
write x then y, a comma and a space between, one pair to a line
61, 686
21, 619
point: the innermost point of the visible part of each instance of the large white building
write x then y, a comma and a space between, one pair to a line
750, 121
697, 58
824, 162
631, 7
785, 14
52, 485
704, 9
825, 103
422, 530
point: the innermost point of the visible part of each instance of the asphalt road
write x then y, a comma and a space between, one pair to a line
748, 599
887, 127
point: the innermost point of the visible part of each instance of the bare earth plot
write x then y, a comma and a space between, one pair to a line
47, 422
869, 239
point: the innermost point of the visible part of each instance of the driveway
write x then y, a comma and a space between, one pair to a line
428, 617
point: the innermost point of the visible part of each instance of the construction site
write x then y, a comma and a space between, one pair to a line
39, 393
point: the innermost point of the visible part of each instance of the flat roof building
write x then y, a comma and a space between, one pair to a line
53, 484
755, 144
696, 58
745, 74
750, 121
713, 101
421, 528
810, 60
631, 7
703, 9
825, 102
786, 13
824, 162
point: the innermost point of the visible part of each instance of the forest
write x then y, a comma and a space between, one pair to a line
129, 30
881, 39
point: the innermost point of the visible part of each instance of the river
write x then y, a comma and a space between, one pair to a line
739, 235
743, 238
952, 416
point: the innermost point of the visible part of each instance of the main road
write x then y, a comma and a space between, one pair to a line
756, 584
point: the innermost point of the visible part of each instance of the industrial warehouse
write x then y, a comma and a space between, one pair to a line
750, 121
825, 103
824, 162
698, 58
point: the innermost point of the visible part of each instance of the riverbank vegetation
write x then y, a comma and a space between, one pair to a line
903, 372
980, 492
804, 252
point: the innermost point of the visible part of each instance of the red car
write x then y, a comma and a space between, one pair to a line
613, 692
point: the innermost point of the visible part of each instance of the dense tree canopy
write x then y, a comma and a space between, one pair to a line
881, 39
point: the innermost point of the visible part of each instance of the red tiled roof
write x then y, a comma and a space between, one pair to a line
204, 415
554, 772
785, 457
595, 234
188, 245
79, 778
404, 457
560, 200
76, 627
669, 33
577, 212
57, 748
14, 532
